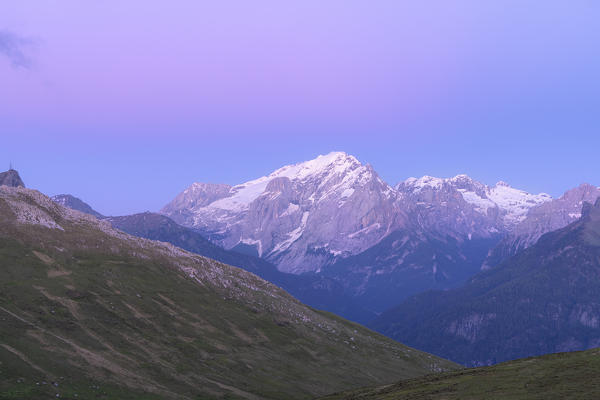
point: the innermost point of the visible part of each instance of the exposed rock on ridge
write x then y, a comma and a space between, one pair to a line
465, 206
11, 178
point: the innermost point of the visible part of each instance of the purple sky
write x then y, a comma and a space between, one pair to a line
124, 105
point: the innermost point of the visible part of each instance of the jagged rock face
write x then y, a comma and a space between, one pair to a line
196, 196
461, 206
542, 219
301, 216
72, 202
306, 216
452, 225
437, 204
11, 178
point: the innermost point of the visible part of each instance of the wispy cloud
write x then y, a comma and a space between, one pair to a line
14, 48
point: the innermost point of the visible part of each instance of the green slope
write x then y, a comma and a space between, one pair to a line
555, 376
90, 311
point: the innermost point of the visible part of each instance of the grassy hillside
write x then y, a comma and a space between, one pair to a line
556, 376
314, 290
90, 312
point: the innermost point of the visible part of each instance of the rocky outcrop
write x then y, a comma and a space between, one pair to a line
11, 178
196, 196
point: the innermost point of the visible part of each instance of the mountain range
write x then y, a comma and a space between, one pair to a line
307, 216
335, 217
337, 237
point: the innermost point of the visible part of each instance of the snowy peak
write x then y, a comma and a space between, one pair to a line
300, 216
418, 184
517, 203
329, 164
511, 204
461, 181
335, 172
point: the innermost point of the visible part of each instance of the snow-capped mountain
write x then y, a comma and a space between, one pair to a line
543, 218
309, 215
300, 217
464, 206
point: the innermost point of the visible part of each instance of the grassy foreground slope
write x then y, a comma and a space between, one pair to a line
555, 376
89, 312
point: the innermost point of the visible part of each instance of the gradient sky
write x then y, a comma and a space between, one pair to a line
125, 103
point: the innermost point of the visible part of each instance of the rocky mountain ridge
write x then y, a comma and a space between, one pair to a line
438, 232
476, 208
306, 216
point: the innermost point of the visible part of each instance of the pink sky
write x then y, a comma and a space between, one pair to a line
425, 87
